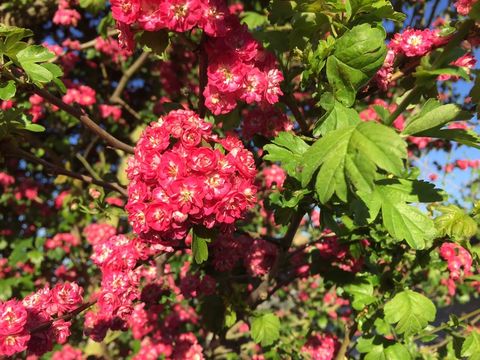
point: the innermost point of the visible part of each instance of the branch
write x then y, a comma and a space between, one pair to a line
81, 115
61, 171
289, 100
117, 94
77, 112
261, 293
349, 331
444, 326
202, 76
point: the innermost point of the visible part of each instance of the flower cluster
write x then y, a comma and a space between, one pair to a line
176, 15
413, 42
68, 353
464, 6
179, 180
117, 258
239, 69
260, 257
321, 346
65, 15
267, 121
110, 110
459, 260
383, 77
62, 240
111, 48
30, 324
459, 263
82, 95
274, 175
97, 233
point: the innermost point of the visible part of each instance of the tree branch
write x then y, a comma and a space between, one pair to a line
116, 97
202, 76
261, 293
81, 115
289, 100
61, 171
77, 112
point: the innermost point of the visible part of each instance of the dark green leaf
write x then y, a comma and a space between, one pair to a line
352, 153
358, 54
338, 117
156, 41
436, 115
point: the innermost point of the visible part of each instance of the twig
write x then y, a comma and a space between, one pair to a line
81, 115
445, 325
117, 94
202, 76
261, 292
77, 112
349, 331
62, 171
289, 100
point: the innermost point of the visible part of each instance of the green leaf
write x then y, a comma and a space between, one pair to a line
471, 346
358, 54
265, 329
288, 149
411, 311
434, 115
7, 91
352, 154
462, 136
362, 292
93, 6
372, 10
402, 221
455, 223
29, 58
6, 30
230, 317
254, 19
199, 246
34, 127
19, 253
337, 117
35, 54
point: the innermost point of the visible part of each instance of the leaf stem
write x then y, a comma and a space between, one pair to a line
446, 325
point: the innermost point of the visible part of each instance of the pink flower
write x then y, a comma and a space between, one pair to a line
66, 297
260, 257
412, 42
126, 11
13, 317
66, 17
464, 6
14, 343
321, 347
